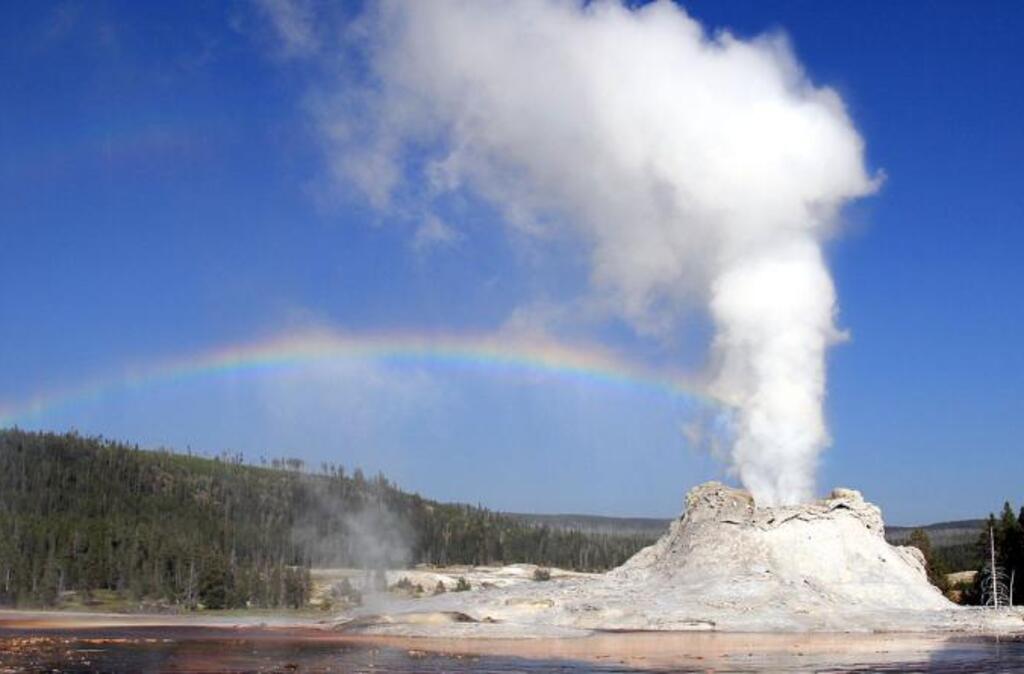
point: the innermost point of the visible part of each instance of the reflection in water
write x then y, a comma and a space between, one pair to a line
205, 649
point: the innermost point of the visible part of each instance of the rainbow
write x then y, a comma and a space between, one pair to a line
488, 353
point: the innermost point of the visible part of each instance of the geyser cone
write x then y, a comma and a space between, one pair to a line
830, 553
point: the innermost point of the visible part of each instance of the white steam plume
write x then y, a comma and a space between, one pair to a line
694, 167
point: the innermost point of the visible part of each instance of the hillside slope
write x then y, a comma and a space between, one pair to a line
88, 514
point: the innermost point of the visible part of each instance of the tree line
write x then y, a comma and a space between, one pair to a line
1003, 540
996, 559
81, 514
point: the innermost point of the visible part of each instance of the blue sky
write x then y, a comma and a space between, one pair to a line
164, 191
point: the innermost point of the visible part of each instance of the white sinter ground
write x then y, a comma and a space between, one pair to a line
724, 565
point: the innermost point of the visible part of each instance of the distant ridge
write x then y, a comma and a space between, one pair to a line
941, 534
597, 524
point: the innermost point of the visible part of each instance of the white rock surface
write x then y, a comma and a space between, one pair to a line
724, 565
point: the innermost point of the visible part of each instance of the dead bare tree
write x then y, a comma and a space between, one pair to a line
995, 589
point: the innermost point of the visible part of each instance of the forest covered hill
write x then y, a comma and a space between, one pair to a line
942, 534
954, 544
598, 524
81, 514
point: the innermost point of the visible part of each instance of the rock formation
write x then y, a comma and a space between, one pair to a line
726, 564
829, 553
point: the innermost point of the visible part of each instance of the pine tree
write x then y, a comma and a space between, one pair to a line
88, 514
937, 571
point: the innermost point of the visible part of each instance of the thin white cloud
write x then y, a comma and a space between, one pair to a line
295, 25
434, 233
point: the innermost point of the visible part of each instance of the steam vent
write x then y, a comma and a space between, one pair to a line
727, 565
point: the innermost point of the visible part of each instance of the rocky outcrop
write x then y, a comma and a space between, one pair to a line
715, 502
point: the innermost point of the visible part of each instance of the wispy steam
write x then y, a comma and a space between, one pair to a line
695, 168
368, 535
379, 538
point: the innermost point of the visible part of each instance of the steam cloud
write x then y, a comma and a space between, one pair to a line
696, 168
336, 534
